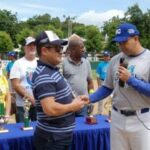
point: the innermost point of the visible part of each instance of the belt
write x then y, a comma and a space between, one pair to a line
131, 112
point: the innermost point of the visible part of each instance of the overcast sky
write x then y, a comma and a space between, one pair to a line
93, 12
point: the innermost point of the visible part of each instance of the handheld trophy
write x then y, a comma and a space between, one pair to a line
3, 119
27, 104
90, 119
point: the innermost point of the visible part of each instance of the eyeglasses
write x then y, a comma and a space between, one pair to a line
57, 48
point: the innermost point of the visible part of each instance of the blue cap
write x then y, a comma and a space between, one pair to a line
11, 53
106, 53
124, 31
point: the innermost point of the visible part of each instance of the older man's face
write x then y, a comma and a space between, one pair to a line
30, 49
79, 49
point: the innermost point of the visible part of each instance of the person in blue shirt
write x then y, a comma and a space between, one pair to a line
101, 72
101, 69
12, 56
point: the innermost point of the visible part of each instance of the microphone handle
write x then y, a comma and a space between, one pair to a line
122, 83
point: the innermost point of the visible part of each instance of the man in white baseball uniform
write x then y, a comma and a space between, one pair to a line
128, 77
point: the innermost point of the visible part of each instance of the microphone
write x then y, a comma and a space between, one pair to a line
124, 64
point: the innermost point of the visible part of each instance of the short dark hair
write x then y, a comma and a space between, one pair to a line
39, 47
73, 43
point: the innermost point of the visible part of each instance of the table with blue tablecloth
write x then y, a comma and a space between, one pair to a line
85, 137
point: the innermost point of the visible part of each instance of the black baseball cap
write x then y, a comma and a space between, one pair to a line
49, 37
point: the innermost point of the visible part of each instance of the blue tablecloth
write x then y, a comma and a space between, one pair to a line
85, 137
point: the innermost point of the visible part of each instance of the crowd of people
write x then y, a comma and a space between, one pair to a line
57, 97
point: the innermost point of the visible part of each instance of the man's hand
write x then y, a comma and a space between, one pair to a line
77, 104
30, 98
124, 74
85, 99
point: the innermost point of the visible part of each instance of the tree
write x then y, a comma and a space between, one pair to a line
109, 28
80, 30
145, 31
134, 14
23, 34
39, 20
93, 39
56, 23
6, 43
8, 23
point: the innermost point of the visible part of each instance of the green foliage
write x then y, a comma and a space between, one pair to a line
134, 14
110, 29
80, 30
6, 43
56, 23
8, 23
93, 38
39, 20
23, 34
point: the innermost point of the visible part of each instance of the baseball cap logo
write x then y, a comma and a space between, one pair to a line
118, 31
44, 40
131, 31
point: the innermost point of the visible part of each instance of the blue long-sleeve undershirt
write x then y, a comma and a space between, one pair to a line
139, 85
100, 94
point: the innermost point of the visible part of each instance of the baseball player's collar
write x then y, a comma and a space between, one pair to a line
138, 54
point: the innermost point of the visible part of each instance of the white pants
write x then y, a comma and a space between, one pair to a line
128, 133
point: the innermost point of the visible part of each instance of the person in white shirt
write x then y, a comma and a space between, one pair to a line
21, 75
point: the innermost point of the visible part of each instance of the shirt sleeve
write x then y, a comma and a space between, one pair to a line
139, 85
44, 87
15, 71
100, 94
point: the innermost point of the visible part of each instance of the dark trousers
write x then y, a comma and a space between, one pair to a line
20, 114
48, 142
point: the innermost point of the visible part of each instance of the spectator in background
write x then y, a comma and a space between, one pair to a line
101, 69
77, 70
12, 56
101, 72
4, 93
21, 75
